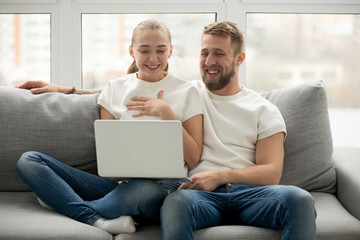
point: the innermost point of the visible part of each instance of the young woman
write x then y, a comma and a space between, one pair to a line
147, 92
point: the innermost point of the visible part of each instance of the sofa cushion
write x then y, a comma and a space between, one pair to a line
308, 146
23, 218
333, 223
52, 123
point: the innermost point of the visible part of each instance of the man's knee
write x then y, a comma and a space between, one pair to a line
299, 195
177, 215
178, 205
298, 199
178, 199
300, 208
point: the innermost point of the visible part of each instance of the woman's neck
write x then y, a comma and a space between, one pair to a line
164, 74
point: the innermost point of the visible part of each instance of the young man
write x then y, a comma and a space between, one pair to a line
241, 165
236, 180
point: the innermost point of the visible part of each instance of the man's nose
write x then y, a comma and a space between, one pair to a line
210, 60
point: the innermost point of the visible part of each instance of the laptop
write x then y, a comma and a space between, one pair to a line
140, 149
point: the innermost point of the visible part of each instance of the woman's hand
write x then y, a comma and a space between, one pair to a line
151, 106
37, 87
192, 128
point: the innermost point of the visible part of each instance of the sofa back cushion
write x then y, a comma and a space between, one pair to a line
62, 126
308, 146
52, 123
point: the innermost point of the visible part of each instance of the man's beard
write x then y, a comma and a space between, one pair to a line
220, 82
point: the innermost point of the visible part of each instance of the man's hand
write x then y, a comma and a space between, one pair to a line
150, 106
37, 87
205, 181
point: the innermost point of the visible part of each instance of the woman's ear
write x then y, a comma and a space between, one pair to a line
171, 50
131, 52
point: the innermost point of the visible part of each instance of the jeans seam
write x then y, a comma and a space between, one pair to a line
288, 219
42, 162
195, 210
70, 176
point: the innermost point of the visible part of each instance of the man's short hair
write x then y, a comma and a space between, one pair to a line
227, 29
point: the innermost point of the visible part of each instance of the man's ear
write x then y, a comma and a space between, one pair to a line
240, 58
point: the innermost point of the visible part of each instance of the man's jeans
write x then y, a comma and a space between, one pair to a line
86, 197
279, 207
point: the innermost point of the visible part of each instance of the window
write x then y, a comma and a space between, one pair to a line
106, 39
288, 42
287, 49
24, 48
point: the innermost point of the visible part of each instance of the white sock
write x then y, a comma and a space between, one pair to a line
123, 224
43, 204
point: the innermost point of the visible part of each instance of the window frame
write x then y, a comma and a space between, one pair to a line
66, 20
215, 6
289, 7
66, 60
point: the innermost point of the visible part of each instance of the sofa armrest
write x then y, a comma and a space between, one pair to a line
347, 165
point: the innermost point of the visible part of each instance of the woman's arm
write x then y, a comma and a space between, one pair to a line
193, 139
192, 128
105, 114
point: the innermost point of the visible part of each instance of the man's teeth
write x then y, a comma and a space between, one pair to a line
213, 71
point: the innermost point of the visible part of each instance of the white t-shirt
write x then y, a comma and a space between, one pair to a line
232, 126
182, 96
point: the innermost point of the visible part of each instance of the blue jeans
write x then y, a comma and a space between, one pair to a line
86, 197
288, 208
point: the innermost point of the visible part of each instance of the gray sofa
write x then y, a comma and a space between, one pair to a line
62, 126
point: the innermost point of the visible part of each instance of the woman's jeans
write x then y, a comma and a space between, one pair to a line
288, 208
86, 197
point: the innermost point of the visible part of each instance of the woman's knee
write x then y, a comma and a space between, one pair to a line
27, 161
147, 199
147, 192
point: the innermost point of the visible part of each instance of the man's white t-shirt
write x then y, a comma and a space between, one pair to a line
232, 126
181, 95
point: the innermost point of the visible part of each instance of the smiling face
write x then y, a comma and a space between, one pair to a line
217, 61
151, 51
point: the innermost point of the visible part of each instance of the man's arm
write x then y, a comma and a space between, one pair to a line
269, 155
37, 87
87, 91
